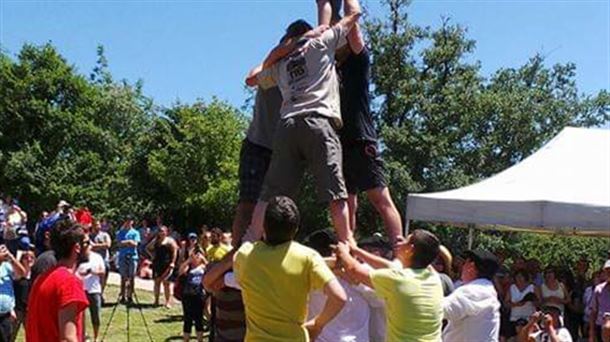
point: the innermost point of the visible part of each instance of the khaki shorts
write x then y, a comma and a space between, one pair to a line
305, 141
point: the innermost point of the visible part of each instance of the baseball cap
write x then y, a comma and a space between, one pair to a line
192, 236
487, 263
63, 203
607, 264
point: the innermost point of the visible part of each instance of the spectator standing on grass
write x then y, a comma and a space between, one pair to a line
217, 249
128, 239
57, 299
22, 288
192, 294
92, 272
229, 310
165, 254
10, 270
473, 309
100, 244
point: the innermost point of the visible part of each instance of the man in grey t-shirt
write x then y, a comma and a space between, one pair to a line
310, 113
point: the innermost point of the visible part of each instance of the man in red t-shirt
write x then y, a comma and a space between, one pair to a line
57, 299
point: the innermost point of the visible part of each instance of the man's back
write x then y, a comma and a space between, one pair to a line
413, 300
52, 291
276, 281
307, 78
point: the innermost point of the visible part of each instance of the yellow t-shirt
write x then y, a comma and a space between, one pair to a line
275, 282
413, 300
215, 253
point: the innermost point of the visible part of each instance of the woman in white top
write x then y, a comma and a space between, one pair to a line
553, 292
521, 298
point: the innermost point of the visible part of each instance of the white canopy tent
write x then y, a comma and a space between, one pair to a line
562, 188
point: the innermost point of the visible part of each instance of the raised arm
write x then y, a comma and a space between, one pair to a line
325, 12
353, 267
352, 14
373, 260
217, 271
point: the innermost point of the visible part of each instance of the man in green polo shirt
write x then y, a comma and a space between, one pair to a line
413, 294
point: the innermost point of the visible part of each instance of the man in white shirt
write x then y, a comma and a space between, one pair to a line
473, 309
92, 273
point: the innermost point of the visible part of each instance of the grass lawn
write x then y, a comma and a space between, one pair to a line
164, 324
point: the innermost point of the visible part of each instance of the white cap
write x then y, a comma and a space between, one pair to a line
63, 203
607, 264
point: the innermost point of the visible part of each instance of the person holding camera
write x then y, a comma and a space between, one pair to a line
545, 326
10, 269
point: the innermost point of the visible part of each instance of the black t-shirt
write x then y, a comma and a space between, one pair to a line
354, 73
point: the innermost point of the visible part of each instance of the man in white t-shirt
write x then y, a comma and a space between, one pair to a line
92, 273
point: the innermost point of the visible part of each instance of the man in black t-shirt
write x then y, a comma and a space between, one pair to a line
363, 167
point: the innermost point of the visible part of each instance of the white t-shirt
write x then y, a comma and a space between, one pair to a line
92, 283
563, 335
352, 322
473, 312
524, 311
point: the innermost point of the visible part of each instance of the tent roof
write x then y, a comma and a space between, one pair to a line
563, 187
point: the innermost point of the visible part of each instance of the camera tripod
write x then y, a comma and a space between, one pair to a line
127, 308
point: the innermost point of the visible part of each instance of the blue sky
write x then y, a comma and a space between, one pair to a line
188, 49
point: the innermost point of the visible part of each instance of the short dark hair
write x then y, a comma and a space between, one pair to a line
297, 29
282, 220
321, 241
64, 236
426, 248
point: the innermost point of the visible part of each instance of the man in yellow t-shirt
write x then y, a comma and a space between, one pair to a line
276, 276
413, 294
216, 250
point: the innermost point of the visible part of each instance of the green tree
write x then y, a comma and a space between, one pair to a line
187, 164
64, 136
443, 125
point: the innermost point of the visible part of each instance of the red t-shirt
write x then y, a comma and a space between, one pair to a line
52, 291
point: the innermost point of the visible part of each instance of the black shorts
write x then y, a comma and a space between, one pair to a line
363, 167
254, 161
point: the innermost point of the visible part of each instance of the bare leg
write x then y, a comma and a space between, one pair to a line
339, 213
122, 293
352, 203
168, 294
157, 290
132, 283
200, 336
243, 216
382, 201
324, 12
255, 232
186, 337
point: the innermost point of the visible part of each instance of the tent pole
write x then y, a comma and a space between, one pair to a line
470, 235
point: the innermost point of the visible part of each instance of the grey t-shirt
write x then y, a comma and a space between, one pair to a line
307, 78
266, 114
